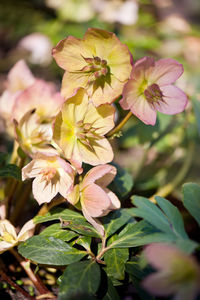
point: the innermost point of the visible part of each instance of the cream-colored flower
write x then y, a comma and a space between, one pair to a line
52, 175
80, 128
9, 237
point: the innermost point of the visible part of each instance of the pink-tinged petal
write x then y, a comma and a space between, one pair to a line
19, 77
95, 223
41, 96
101, 175
101, 118
130, 94
34, 168
100, 153
165, 72
71, 82
26, 231
142, 68
115, 203
44, 191
65, 183
95, 200
174, 100
69, 54
139, 107
7, 102
159, 284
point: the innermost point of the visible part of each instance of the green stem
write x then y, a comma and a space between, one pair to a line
47, 207
120, 125
168, 188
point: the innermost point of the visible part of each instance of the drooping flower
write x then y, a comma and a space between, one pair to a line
33, 136
177, 273
19, 78
151, 89
52, 175
8, 236
99, 63
96, 200
41, 96
79, 130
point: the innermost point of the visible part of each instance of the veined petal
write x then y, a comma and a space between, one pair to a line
115, 203
174, 100
142, 68
71, 82
7, 227
130, 94
102, 152
26, 231
95, 200
101, 118
65, 183
165, 71
4, 246
102, 175
34, 168
44, 191
74, 195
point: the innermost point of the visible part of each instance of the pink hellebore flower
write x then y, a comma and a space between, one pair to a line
41, 96
150, 89
99, 62
96, 200
52, 175
178, 273
80, 128
8, 236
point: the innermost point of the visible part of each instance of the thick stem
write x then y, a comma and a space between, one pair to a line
167, 189
42, 289
7, 279
120, 125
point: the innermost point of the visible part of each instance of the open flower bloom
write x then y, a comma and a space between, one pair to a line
177, 274
52, 175
99, 63
96, 200
33, 136
8, 236
80, 128
41, 96
150, 89
19, 78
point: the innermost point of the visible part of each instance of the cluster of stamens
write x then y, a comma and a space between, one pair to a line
95, 66
48, 173
85, 132
153, 93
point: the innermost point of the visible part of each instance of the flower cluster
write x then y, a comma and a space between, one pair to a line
60, 132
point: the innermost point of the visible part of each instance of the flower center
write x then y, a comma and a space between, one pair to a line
7, 237
48, 173
153, 93
97, 66
85, 133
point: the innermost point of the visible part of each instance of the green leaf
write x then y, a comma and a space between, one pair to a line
138, 234
111, 292
122, 183
191, 199
115, 220
84, 241
79, 279
115, 261
69, 219
3, 158
10, 171
56, 231
49, 251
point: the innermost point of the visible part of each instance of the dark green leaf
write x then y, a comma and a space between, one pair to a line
191, 199
10, 171
79, 280
69, 219
122, 183
111, 292
115, 220
84, 241
3, 158
49, 251
115, 261
56, 231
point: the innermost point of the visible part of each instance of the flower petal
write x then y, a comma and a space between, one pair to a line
175, 100
26, 231
115, 203
101, 175
95, 223
43, 191
71, 82
7, 227
142, 68
4, 246
165, 71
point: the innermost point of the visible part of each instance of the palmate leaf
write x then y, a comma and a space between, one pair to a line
115, 261
167, 219
70, 219
80, 281
191, 199
49, 251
